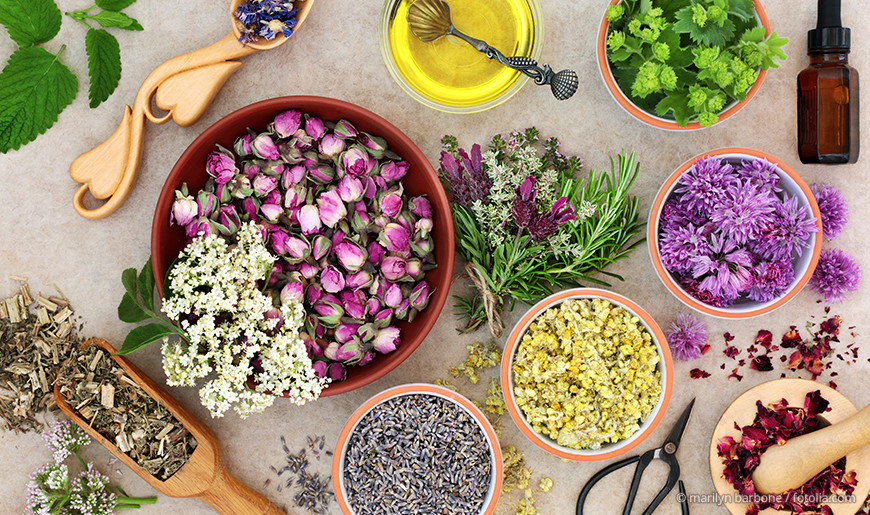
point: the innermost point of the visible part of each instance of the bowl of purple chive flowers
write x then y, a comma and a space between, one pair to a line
734, 233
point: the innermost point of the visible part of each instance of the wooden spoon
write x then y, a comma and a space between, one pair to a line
184, 87
789, 466
204, 475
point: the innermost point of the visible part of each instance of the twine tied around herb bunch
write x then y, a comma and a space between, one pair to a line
493, 319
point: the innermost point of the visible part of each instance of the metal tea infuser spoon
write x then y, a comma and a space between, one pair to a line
430, 20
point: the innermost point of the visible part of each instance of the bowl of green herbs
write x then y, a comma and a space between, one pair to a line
685, 64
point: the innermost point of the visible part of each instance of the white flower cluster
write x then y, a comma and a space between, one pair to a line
230, 323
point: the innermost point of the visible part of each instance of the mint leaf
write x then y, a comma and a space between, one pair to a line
116, 19
128, 279
30, 21
34, 88
130, 311
146, 285
143, 335
678, 104
114, 5
104, 65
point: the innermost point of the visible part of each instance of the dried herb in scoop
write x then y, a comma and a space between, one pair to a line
99, 390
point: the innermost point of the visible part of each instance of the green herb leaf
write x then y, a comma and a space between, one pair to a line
114, 5
144, 335
742, 9
34, 88
130, 311
128, 279
146, 285
678, 104
645, 6
30, 21
116, 19
104, 65
710, 34
754, 35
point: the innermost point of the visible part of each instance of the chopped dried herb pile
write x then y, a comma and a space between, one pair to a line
114, 405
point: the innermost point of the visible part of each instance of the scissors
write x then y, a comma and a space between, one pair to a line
665, 453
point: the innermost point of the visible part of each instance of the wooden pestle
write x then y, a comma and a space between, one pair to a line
788, 466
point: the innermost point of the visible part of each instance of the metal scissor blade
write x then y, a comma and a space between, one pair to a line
679, 428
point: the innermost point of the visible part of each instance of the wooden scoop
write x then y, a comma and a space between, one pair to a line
184, 87
789, 466
204, 475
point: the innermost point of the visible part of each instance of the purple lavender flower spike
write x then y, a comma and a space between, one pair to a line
686, 336
833, 208
836, 275
545, 225
523, 207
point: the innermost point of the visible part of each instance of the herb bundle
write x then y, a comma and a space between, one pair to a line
525, 223
688, 58
35, 86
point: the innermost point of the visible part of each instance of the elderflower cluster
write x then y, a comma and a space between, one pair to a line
230, 324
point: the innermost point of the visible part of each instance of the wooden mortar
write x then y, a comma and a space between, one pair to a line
743, 410
204, 475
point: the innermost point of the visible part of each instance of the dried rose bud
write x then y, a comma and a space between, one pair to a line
313, 293
345, 332
393, 295
293, 175
331, 208
360, 220
421, 207
271, 212
319, 368
221, 166
356, 161
376, 253
291, 292
350, 255
375, 145
420, 296
367, 332
309, 219
229, 219
387, 340
336, 371
343, 352
320, 247
401, 311
394, 171
414, 269
264, 147
240, 187
350, 189
308, 270
286, 123
332, 279
373, 305
278, 239
383, 318
250, 170
329, 313
344, 129
391, 204
242, 146
423, 227
371, 189
314, 128
184, 210
294, 196
422, 248
250, 206
330, 146
355, 310
202, 227
297, 248
321, 174
273, 197
311, 346
264, 184
393, 268
395, 238
358, 280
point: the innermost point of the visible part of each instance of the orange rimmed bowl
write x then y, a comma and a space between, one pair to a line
459, 400
651, 118
167, 242
609, 450
793, 185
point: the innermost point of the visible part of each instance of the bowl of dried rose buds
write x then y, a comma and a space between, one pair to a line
417, 448
354, 215
734, 233
586, 374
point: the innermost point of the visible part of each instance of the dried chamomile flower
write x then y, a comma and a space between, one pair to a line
480, 356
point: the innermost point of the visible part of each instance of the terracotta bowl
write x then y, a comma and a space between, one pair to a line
792, 184
167, 242
651, 118
609, 450
464, 403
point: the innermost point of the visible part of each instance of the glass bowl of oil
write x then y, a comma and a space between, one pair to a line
450, 75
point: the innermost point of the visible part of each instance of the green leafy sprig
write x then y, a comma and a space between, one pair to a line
35, 87
137, 305
688, 58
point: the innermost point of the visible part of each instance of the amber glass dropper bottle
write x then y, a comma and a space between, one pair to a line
828, 93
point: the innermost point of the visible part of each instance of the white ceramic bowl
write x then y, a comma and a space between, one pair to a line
609, 450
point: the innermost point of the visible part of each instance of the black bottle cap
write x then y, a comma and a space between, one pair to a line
829, 34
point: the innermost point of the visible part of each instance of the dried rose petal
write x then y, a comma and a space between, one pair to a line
697, 373
761, 363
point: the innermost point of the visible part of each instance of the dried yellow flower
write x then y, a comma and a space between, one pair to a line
545, 484
480, 356
586, 373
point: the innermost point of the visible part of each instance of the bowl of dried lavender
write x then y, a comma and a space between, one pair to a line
417, 448
734, 233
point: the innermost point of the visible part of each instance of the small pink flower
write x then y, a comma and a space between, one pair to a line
309, 219
287, 123
387, 340
331, 208
264, 147
221, 166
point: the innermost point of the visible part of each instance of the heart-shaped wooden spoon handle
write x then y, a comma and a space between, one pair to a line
792, 464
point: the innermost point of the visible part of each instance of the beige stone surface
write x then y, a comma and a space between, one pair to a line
336, 54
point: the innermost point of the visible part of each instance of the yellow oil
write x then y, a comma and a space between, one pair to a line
451, 72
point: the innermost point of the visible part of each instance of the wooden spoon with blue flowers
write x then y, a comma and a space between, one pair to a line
183, 87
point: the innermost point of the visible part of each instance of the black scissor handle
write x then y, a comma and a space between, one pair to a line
642, 462
598, 476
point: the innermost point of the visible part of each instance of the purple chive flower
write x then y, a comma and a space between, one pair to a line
184, 210
330, 145
421, 207
771, 280
357, 162
686, 336
544, 225
676, 213
350, 189
332, 279
523, 207
387, 340
271, 212
835, 276
264, 147
287, 123
833, 208
264, 184
761, 173
743, 211
393, 268
309, 219
788, 232
221, 166
724, 273
680, 245
703, 185
314, 128
350, 255
692, 287
394, 170
331, 208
